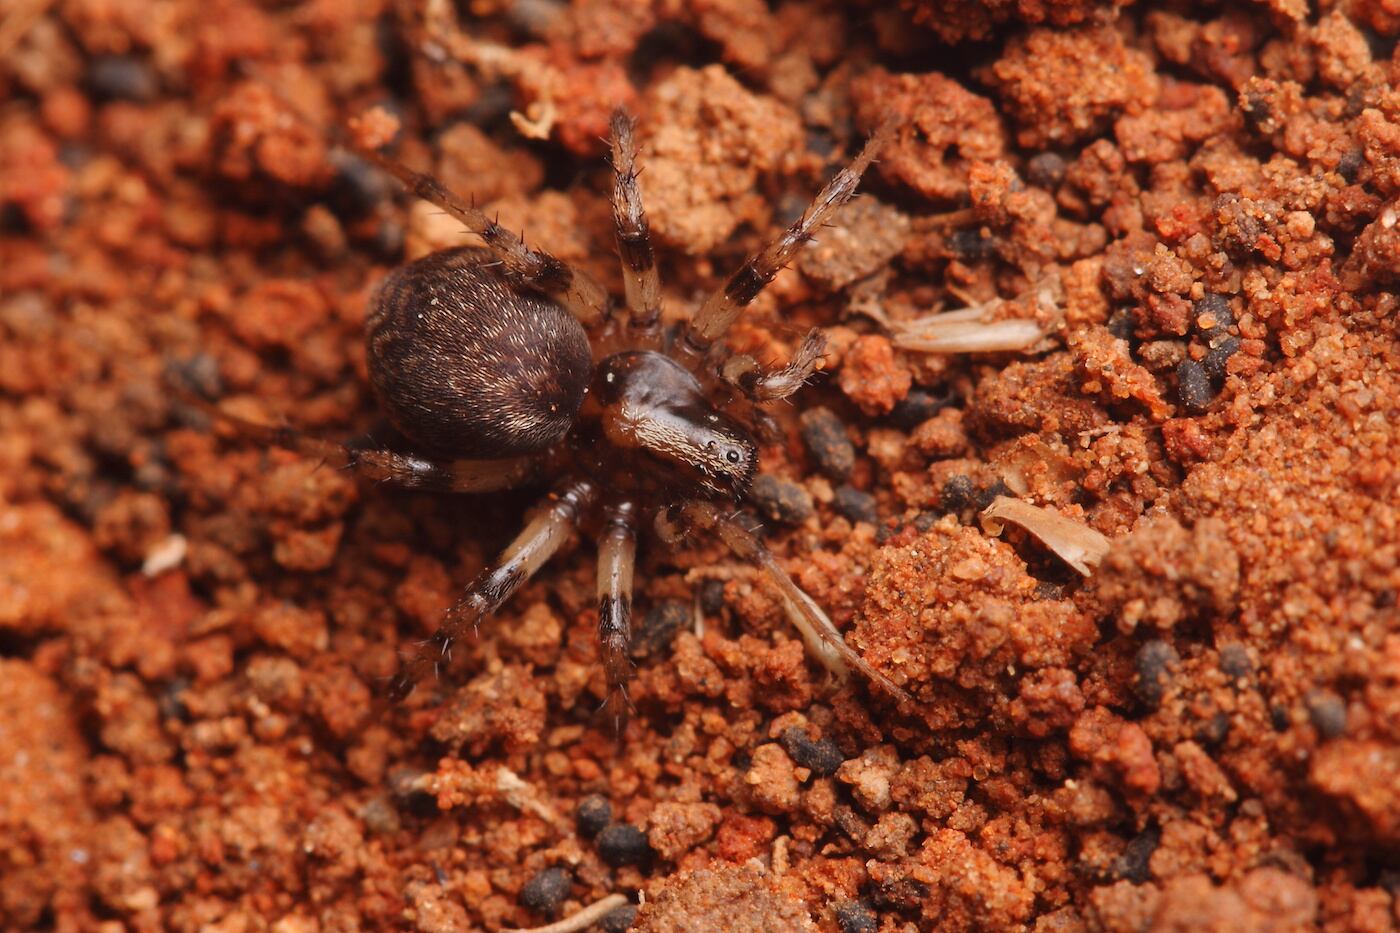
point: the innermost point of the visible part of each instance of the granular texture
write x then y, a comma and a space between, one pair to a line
1192, 207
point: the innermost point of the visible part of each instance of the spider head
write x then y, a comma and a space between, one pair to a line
724, 457
654, 406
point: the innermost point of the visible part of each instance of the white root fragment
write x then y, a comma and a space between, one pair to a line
1076, 543
582, 920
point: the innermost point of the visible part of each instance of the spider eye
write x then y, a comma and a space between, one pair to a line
710, 445
732, 456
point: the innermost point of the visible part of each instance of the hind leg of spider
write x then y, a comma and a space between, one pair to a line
382, 466
548, 528
725, 304
576, 290
639, 274
617, 554
823, 639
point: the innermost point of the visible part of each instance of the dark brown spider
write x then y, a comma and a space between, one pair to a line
503, 365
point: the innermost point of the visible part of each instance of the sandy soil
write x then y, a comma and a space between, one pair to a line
1189, 210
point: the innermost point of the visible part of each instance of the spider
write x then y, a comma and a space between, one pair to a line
504, 366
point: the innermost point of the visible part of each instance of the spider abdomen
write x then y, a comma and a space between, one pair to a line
468, 364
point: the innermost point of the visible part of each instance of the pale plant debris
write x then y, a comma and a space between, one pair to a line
977, 329
1073, 542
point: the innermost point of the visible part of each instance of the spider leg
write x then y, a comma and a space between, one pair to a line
384, 466
639, 273
576, 290
765, 385
548, 528
823, 639
724, 305
617, 554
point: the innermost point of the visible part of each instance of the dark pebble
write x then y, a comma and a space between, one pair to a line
594, 813
780, 500
1134, 864
987, 495
1193, 386
826, 440
924, 521
1123, 324
856, 505
1214, 730
1235, 661
1046, 170
857, 917
623, 844
917, 407
122, 77
1154, 662
712, 597
661, 624
1279, 718
899, 893
1218, 307
1328, 713
821, 756
620, 920
359, 187
1349, 165
546, 891
1217, 356
957, 493
970, 245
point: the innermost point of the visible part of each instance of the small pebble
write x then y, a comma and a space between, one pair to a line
1217, 308
969, 244
712, 597
821, 757
359, 187
857, 917
1154, 662
1235, 661
781, 501
855, 505
825, 436
987, 495
594, 813
544, 892
1046, 170
122, 77
380, 815
1123, 324
1328, 713
957, 493
620, 920
1218, 356
660, 626
1193, 386
1215, 730
916, 408
623, 844
1349, 165
1133, 864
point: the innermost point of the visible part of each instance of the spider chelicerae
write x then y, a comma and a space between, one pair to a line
504, 366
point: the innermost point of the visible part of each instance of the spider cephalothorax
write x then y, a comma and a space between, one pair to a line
504, 365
